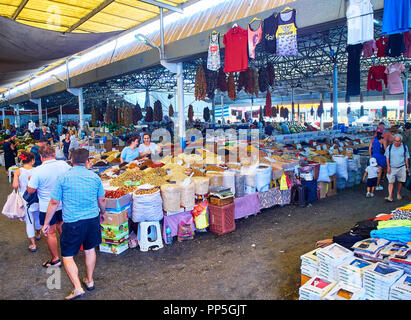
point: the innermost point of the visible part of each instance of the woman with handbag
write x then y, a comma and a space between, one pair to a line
20, 181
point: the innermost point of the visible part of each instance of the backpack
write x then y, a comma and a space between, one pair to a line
389, 152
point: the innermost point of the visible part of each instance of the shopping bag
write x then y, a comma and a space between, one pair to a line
14, 206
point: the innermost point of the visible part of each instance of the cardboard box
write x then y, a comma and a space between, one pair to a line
332, 186
114, 232
115, 219
118, 203
116, 242
113, 248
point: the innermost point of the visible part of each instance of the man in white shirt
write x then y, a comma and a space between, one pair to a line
43, 180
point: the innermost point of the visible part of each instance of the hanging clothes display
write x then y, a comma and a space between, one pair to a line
369, 48
286, 36
353, 70
269, 31
395, 46
381, 44
397, 16
360, 21
393, 71
236, 55
213, 59
376, 78
407, 44
254, 38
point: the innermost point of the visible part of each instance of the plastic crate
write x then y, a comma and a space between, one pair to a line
222, 218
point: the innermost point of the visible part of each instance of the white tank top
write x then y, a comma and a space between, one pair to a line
24, 179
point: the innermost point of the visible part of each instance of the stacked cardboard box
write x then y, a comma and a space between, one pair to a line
309, 263
329, 258
401, 290
379, 279
115, 228
316, 288
351, 272
343, 291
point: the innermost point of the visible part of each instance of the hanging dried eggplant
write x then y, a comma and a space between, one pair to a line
170, 111
231, 87
200, 84
263, 79
320, 110
149, 115
190, 113
211, 81
138, 113
242, 81
222, 81
158, 111
268, 104
271, 74
206, 114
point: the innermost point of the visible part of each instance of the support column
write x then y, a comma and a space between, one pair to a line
335, 107
81, 111
18, 116
180, 104
405, 95
61, 114
292, 102
40, 111
4, 118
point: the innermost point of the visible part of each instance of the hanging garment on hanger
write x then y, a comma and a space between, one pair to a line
254, 38
369, 48
269, 31
395, 46
381, 44
393, 71
376, 78
213, 59
397, 16
407, 43
353, 70
286, 36
236, 55
360, 21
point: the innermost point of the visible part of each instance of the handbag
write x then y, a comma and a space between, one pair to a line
30, 198
14, 206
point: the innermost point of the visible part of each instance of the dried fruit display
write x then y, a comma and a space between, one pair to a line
200, 84
115, 194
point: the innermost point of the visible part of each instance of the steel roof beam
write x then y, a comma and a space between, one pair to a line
163, 5
19, 9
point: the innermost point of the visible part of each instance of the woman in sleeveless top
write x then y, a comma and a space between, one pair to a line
20, 181
377, 148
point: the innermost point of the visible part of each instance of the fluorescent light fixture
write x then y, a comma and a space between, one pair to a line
124, 40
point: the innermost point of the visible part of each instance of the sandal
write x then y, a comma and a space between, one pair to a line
389, 199
38, 237
76, 293
50, 263
89, 285
32, 248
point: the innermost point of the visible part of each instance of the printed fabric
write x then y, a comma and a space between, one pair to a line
393, 71
254, 38
269, 32
213, 60
286, 35
369, 48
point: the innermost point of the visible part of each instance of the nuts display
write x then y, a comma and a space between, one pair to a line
153, 179
146, 191
128, 175
128, 189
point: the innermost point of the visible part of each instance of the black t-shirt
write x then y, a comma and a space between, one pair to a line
269, 31
395, 46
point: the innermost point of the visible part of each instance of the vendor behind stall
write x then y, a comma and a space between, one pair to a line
148, 148
131, 152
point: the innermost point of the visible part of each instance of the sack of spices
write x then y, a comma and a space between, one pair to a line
201, 185
188, 195
171, 195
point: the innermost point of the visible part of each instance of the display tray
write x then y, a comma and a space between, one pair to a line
221, 202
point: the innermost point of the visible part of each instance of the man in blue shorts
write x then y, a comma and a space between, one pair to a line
83, 198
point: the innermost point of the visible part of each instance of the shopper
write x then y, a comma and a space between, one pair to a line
388, 137
20, 181
73, 144
43, 180
36, 151
398, 166
376, 150
406, 135
82, 195
131, 152
148, 148
65, 144
46, 134
371, 173
10, 151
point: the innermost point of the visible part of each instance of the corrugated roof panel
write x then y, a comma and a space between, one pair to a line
7, 10
43, 25
143, 6
88, 4
92, 26
53, 18
56, 7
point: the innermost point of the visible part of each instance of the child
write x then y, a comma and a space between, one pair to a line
372, 171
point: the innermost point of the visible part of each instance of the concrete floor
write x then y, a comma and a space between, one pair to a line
258, 261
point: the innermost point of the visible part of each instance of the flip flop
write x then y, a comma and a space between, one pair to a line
32, 249
50, 263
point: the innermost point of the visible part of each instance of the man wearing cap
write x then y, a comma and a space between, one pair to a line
398, 166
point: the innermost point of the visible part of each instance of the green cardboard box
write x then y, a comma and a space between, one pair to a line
114, 248
114, 232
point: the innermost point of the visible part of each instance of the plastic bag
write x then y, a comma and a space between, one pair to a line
14, 207
285, 182
323, 175
185, 230
200, 215
60, 154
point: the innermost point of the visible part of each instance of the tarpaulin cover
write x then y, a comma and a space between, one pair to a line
25, 49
